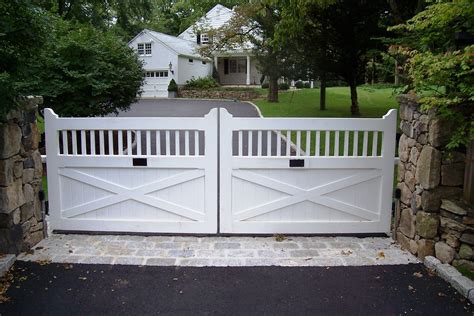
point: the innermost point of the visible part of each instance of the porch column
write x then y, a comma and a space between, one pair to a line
216, 64
248, 70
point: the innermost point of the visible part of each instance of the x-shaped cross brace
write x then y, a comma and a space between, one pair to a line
297, 195
137, 193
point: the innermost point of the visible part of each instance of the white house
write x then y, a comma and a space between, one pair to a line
235, 67
166, 57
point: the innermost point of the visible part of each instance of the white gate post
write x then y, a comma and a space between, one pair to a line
388, 152
225, 170
211, 154
52, 150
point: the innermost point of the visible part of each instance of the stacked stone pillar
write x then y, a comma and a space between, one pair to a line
21, 219
434, 221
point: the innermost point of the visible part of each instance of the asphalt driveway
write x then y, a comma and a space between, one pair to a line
186, 108
65, 289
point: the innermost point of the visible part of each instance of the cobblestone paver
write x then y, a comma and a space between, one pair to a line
219, 251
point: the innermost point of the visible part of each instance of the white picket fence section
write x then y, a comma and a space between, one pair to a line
338, 178
132, 174
276, 175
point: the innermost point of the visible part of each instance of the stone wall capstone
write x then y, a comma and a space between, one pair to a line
21, 170
433, 220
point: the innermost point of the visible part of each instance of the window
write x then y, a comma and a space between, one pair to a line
232, 66
141, 49
157, 74
191, 60
237, 66
162, 73
241, 66
203, 62
144, 49
204, 38
147, 48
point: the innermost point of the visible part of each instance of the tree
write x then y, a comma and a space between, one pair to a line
440, 66
83, 71
335, 37
253, 27
22, 32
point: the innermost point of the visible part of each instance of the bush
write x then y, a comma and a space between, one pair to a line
283, 86
307, 85
299, 84
265, 85
201, 83
172, 86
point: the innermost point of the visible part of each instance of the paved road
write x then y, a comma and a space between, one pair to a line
63, 289
198, 108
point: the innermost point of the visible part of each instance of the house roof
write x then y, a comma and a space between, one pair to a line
178, 45
213, 19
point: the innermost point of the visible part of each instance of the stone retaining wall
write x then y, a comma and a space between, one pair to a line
21, 220
433, 220
218, 94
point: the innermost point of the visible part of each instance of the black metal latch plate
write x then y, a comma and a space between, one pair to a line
142, 162
296, 163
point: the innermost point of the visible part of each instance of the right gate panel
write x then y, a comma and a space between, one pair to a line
295, 175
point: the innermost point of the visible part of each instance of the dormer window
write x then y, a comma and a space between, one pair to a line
144, 49
204, 38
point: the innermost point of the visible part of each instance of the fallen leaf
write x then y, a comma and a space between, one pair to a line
346, 252
418, 274
82, 278
280, 237
380, 255
441, 294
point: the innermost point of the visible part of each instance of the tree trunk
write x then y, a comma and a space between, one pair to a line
272, 89
373, 71
354, 103
397, 75
322, 95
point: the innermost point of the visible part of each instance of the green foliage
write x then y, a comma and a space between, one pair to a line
434, 64
299, 84
172, 86
83, 71
201, 83
307, 85
22, 32
283, 86
265, 85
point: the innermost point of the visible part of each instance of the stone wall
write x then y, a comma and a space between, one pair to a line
21, 220
433, 221
219, 94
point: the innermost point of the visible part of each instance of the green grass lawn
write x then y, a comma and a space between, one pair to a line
373, 102
305, 103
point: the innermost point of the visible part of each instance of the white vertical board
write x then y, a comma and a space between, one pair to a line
325, 193
112, 191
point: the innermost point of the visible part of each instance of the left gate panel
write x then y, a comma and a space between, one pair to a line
156, 175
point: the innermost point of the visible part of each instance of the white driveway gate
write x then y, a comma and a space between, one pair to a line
132, 174
277, 175
341, 183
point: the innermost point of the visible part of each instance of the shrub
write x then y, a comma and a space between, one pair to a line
283, 86
265, 85
201, 83
172, 86
299, 84
307, 85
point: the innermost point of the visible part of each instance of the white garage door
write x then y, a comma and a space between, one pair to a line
156, 84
